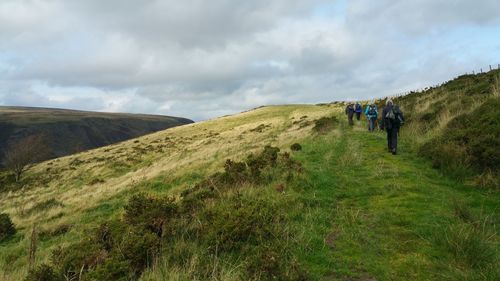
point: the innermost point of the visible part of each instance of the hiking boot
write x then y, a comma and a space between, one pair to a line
393, 152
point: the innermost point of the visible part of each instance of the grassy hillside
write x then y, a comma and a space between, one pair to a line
70, 131
170, 206
457, 126
86, 189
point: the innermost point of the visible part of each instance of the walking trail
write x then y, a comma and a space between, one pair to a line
385, 217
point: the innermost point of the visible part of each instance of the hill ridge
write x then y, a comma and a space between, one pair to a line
69, 131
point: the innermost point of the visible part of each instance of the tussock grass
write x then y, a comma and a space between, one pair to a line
471, 245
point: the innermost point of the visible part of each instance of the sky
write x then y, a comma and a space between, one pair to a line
204, 59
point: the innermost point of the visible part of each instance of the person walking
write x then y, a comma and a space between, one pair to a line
371, 113
393, 120
358, 110
349, 110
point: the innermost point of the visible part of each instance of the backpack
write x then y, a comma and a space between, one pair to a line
372, 110
391, 115
394, 115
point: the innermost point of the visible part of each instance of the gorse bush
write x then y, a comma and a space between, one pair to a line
213, 218
7, 228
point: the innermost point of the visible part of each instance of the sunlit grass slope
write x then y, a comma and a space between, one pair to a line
85, 189
169, 206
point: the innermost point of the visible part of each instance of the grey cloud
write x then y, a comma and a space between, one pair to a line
202, 59
422, 16
191, 23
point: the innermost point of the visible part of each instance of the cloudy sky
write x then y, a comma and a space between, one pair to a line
203, 59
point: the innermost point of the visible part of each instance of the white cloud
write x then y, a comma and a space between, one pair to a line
201, 59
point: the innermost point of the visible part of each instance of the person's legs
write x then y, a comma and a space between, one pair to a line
358, 115
350, 116
389, 140
394, 141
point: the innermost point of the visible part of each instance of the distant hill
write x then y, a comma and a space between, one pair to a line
71, 131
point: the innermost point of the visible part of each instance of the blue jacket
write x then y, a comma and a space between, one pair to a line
367, 112
358, 107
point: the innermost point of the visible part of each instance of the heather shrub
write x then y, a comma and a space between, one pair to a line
296, 147
325, 124
7, 228
139, 249
112, 269
211, 218
237, 223
470, 144
152, 214
118, 249
79, 257
274, 262
44, 273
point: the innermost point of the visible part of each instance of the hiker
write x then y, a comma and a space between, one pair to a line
371, 114
349, 110
358, 110
393, 120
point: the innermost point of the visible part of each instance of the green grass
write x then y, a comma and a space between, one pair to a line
360, 213
355, 212
383, 216
456, 126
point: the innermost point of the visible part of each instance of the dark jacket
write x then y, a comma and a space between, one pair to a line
349, 109
393, 123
